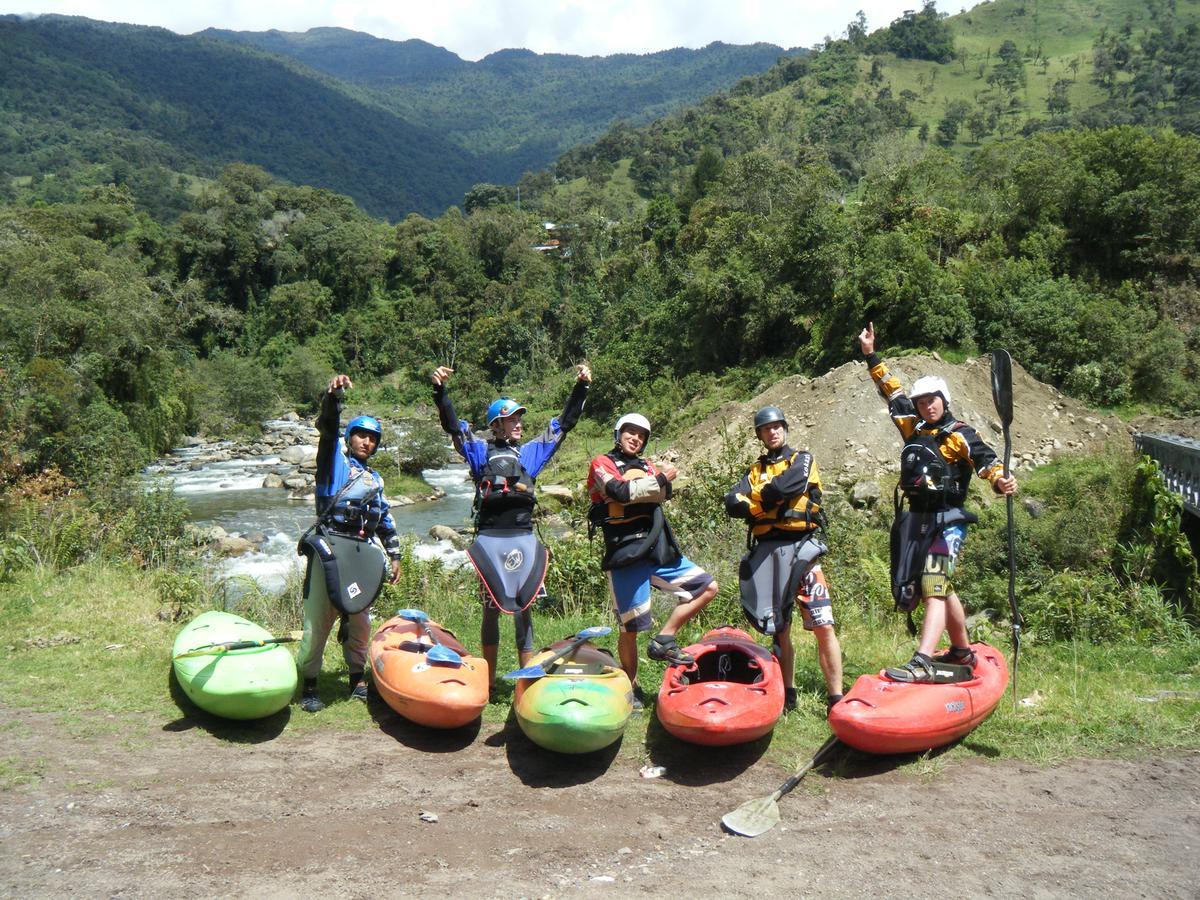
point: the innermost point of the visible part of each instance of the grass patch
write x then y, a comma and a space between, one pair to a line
16, 771
1091, 696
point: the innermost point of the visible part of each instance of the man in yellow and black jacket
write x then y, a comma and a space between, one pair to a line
940, 455
780, 498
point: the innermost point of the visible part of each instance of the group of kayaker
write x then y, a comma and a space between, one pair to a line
779, 497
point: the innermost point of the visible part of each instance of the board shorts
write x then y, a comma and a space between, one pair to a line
816, 610
941, 560
630, 586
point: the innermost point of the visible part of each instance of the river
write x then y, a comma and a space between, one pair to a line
230, 494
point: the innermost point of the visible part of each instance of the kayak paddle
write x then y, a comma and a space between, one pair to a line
537, 670
755, 817
226, 646
1003, 398
439, 652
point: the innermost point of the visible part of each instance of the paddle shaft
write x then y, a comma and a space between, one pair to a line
238, 645
788, 785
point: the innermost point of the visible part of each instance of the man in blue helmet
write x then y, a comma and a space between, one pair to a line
509, 559
352, 516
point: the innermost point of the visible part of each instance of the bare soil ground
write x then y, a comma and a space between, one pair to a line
128, 806
841, 418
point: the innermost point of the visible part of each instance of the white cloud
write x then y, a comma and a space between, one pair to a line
474, 28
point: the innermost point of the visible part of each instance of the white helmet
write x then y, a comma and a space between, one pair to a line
927, 386
635, 419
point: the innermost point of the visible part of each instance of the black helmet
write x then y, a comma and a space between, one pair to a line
767, 415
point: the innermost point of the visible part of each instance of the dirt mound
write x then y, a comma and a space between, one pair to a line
841, 418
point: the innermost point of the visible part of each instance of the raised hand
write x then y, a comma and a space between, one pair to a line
866, 339
442, 374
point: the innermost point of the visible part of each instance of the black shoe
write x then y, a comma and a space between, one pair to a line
359, 692
832, 700
957, 656
639, 698
921, 669
662, 647
789, 699
311, 703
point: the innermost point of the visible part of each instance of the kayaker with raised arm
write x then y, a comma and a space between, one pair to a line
939, 456
507, 556
351, 511
640, 551
780, 499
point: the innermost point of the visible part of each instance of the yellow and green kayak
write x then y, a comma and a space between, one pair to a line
581, 705
248, 683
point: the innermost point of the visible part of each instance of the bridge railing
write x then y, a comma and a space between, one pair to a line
1178, 459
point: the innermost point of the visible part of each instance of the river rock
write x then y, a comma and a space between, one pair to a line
446, 533
208, 534
299, 454
257, 538
233, 546
865, 494
290, 417
557, 492
295, 482
272, 481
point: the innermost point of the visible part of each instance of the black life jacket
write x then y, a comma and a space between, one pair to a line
504, 495
927, 479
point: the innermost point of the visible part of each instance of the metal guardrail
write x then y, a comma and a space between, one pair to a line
1178, 459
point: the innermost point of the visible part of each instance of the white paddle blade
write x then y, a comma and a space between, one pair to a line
754, 817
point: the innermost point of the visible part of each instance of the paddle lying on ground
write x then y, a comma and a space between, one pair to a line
226, 646
439, 652
1002, 397
755, 817
537, 670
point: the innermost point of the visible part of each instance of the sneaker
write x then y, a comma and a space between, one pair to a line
663, 648
957, 656
639, 698
921, 669
311, 703
789, 699
359, 692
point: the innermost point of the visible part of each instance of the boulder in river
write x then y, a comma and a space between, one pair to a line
299, 454
231, 545
446, 533
272, 481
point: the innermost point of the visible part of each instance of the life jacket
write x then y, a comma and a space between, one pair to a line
928, 480
795, 516
504, 490
357, 508
632, 531
608, 512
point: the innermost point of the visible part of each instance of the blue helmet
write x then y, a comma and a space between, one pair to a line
502, 409
369, 424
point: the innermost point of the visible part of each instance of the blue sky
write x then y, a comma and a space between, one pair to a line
474, 28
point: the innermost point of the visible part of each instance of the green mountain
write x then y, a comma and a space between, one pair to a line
516, 109
76, 91
1002, 68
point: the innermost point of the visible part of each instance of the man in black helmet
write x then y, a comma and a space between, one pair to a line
780, 499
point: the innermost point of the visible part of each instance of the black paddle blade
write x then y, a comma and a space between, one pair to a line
1002, 385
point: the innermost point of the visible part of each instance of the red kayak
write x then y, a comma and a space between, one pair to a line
732, 694
883, 716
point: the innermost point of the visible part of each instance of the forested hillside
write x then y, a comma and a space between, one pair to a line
515, 109
87, 103
1076, 247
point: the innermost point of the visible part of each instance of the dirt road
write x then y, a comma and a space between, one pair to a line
132, 807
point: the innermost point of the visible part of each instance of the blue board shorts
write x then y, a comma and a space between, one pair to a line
630, 586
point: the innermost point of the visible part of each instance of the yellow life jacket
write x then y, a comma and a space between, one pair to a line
798, 515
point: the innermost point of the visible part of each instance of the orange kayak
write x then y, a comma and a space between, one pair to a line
437, 694
883, 716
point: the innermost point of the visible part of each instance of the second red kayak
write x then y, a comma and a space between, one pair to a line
883, 716
732, 694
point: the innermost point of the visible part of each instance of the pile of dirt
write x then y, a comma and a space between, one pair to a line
841, 418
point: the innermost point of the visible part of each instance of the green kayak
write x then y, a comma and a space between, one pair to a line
582, 705
237, 684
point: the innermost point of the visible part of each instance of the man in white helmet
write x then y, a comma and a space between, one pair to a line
640, 552
939, 456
